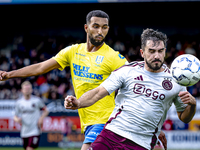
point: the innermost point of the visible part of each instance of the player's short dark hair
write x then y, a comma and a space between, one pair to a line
96, 13
150, 34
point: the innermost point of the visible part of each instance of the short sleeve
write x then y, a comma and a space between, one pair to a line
63, 57
41, 104
114, 81
180, 106
118, 61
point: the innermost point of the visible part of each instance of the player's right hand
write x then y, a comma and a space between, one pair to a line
18, 120
3, 75
71, 103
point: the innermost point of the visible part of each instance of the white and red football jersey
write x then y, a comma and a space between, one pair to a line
29, 111
142, 102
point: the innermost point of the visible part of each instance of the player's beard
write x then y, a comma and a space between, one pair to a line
95, 42
156, 67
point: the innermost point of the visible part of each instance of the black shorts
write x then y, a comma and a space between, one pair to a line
32, 141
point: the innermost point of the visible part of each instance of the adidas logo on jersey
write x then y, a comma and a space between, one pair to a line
139, 78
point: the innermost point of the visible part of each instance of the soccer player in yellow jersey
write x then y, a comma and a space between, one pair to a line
90, 63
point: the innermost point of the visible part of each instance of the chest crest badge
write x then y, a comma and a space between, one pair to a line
33, 105
99, 59
167, 84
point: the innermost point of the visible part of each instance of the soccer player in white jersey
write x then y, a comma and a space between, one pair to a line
28, 113
146, 92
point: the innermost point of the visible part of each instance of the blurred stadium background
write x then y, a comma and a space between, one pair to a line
35, 30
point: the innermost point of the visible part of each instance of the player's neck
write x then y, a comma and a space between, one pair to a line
27, 97
92, 48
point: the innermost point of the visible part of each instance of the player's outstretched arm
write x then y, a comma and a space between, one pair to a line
32, 70
189, 112
87, 99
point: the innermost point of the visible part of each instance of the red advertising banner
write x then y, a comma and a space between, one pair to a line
49, 124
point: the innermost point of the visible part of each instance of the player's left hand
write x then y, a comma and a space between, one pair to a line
163, 139
187, 98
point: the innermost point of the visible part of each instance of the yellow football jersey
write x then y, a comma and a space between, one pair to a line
88, 71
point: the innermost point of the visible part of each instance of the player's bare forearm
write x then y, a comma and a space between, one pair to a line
86, 100
92, 96
32, 70
45, 113
187, 115
189, 112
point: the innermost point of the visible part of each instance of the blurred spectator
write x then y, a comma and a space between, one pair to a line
62, 88
15, 94
70, 90
26, 61
5, 93
44, 90
53, 95
195, 90
133, 54
178, 45
5, 65
40, 80
119, 46
190, 50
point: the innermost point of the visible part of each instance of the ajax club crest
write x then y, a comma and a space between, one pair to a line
167, 84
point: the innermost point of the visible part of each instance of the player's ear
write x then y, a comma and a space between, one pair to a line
86, 28
165, 52
142, 53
